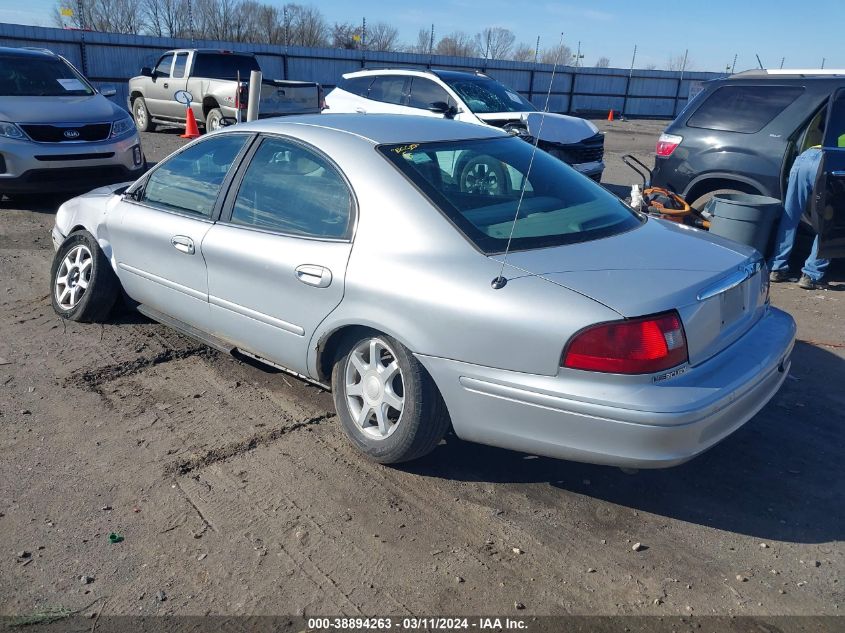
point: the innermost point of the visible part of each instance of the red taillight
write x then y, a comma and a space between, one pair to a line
667, 143
634, 346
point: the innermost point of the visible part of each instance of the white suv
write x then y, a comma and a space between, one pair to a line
472, 98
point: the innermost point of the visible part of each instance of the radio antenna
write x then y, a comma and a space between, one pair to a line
500, 281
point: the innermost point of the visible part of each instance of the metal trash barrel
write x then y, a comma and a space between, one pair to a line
745, 218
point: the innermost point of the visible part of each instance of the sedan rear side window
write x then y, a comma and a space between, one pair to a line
477, 185
745, 109
291, 189
190, 181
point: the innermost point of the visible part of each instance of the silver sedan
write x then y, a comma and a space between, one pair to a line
431, 273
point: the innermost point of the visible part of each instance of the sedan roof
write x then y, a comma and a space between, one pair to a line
379, 128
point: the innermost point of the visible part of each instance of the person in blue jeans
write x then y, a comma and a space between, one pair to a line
802, 178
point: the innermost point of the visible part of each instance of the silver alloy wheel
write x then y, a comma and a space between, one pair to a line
214, 123
140, 115
375, 389
73, 277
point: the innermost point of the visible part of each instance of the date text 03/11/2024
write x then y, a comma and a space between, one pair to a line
411, 623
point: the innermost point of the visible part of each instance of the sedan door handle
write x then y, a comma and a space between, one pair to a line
360, 110
318, 276
183, 244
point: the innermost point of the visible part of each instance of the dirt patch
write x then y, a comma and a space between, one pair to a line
224, 453
93, 379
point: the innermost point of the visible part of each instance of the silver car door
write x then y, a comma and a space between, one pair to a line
277, 257
157, 229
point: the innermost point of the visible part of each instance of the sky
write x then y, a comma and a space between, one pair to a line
714, 31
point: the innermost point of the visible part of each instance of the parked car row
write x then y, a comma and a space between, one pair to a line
46, 100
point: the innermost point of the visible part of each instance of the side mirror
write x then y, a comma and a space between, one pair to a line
108, 90
146, 71
441, 107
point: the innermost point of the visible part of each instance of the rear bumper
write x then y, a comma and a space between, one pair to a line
641, 425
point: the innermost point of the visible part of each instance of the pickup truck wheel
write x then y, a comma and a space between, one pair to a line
142, 116
213, 120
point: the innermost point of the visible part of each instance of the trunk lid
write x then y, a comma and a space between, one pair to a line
713, 283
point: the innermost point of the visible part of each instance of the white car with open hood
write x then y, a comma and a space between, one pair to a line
470, 97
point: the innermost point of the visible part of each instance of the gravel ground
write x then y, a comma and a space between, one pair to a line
236, 492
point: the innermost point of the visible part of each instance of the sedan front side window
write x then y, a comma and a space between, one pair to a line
190, 181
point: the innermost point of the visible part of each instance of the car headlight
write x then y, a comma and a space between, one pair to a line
10, 130
122, 126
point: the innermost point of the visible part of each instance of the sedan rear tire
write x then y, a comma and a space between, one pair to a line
388, 405
83, 286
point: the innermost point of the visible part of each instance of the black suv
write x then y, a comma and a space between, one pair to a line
742, 133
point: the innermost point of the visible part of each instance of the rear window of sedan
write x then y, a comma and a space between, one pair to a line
478, 185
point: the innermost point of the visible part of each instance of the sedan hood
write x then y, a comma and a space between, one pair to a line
655, 267
556, 128
79, 109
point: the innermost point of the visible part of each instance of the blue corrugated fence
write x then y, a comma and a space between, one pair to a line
112, 58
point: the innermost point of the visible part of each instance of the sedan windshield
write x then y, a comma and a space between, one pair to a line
25, 76
483, 95
477, 185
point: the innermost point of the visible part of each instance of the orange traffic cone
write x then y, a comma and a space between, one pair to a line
191, 129
610, 115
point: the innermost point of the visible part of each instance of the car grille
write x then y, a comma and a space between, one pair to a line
587, 151
56, 134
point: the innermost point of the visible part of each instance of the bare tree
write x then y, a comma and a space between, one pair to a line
603, 62
346, 35
676, 62
112, 16
523, 53
166, 18
457, 44
306, 26
650, 67
560, 55
269, 24
495, 42
422, 44
381, 36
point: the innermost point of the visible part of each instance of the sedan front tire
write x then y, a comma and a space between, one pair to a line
83, 286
